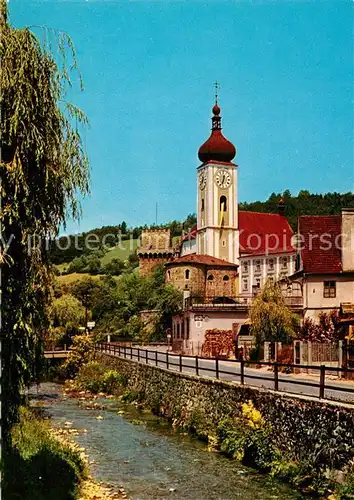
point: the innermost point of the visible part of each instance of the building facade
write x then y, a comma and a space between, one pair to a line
324, 268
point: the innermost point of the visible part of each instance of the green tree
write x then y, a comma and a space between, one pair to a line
115, 267
68, 312
123, 227
271, 319
43, 169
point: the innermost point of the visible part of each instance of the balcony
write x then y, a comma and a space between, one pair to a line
218, 303
239, 302
295, 302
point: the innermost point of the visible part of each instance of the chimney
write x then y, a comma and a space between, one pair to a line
281, 207
348, 239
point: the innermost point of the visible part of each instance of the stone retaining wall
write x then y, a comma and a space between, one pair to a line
303, 428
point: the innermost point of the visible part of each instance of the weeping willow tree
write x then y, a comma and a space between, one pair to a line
44, 171
271, 319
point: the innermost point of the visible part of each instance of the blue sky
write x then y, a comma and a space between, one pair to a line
286, 76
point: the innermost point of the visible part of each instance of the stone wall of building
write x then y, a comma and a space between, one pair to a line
221, 283
187, 277
302, 428
156, 239
148, 264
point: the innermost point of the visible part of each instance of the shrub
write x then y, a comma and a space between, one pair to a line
81, 352
247, 439
112, 380
96, 378
90, 377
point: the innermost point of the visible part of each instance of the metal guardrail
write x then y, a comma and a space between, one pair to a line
167, 360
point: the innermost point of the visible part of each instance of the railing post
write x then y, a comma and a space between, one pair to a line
125, 351
196, 366
166, 360
322, 381
138, 354
156, 359
146, 356
180, 362
131, 353
242, 371
119, 350
276, 376
217, 367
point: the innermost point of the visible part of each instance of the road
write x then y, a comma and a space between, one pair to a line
288, 383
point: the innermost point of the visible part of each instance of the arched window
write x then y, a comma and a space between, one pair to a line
226, 278
223, 203
202, 205
187, 274
210, 277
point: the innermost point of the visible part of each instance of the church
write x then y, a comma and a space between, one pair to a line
224, 260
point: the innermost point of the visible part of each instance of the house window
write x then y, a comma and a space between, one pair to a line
284, 263
226, 278
245, 267
202, 204
223, 204
271, 264
258, 266
187, 274
245, 285
271, 279
258, 282
210, 277
178, 330
329, 289
187, 328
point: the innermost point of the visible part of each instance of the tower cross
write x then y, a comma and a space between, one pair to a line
217, 86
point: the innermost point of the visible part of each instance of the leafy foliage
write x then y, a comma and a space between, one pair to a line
81, 352
326, 329
94, 377
247, 438
43, 169
116, 304
271, 319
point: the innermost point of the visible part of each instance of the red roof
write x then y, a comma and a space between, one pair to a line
262, 233
191, 235
320, 243
206, 260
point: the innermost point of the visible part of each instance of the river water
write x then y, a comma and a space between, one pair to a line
142, 453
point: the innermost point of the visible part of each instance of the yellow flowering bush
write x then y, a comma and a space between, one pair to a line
251, 416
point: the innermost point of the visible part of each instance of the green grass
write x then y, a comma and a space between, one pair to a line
121, 251
70, 278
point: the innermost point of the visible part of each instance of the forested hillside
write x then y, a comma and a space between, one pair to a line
304, 203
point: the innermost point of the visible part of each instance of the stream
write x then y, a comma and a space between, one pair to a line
143, 454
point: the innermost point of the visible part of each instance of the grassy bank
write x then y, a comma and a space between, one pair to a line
45, 464
244, 435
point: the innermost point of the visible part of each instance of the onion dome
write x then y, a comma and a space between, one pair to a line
217, 147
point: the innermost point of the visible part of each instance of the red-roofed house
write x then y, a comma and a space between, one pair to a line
325, 262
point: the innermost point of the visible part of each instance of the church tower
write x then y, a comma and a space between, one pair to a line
217, 203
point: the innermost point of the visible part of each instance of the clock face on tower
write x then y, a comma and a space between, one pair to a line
223, 178
202, 180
